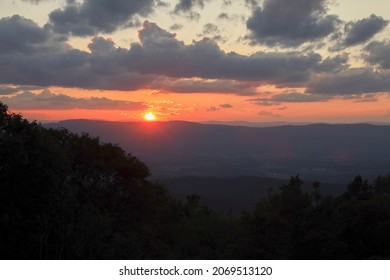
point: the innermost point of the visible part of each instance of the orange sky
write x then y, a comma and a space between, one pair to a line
256, 61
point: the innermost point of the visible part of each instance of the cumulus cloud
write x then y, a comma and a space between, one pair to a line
351, 82
333, 64
362, 30
161, 53
378, 53
290, 23
97, 16
43, 61
49, 101
23, 36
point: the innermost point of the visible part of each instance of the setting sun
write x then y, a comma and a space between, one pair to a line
149, 116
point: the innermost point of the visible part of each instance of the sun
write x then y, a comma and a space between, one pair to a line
149, 116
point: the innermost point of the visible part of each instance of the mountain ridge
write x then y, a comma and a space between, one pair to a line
181, 148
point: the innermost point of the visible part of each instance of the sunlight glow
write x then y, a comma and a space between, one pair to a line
150, 116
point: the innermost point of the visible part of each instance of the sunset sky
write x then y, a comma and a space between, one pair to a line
197, 60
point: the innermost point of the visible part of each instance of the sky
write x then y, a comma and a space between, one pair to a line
196, 60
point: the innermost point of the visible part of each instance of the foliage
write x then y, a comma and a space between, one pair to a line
69, 196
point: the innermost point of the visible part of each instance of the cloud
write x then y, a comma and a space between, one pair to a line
251, 4
99, 44
44, 61
226, 106
10, 90
362, 30
226, 3
269, 114
212, 31
378, 53
204, 86
290, 23
23, 36
224, 16
296, 97
49, 101
35, 1
212, 109
210, 28
176, 26
333, 64
97, 16
162, 4
351, 82
289, 97
219, 107
159, 52
187, 7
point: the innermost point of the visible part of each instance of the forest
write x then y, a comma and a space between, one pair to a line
70, 196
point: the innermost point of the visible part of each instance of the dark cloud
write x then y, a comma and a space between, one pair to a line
134, 23
187, 7
99, 44
10, 90
212, 31
351, 82
290, 22
210, 28
96, 16
176, 26
296, 97
20, 35
7, 90
219, 107
162, 4
49, 101
362, 30
224, 16
252, 4
204, 86
378, 53
158, 54
333, 64
161, 53
366, 98
289, 97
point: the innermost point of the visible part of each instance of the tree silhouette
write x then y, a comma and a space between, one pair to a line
69, 196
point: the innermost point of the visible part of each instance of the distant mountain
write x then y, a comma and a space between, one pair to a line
254, 124
329, 153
